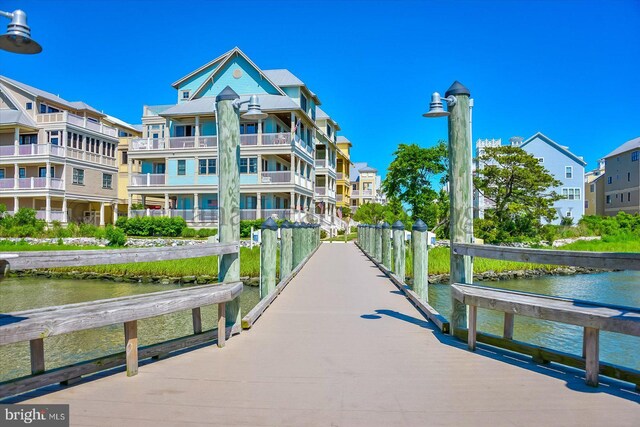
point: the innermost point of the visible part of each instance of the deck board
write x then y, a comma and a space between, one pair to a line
312, 359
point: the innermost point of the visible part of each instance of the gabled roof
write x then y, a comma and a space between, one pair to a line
227, 57
204, 67
79, 105
563, 149
120, 123
368, 169
15, 117
207, 105
321, 115
342, 140
629, 145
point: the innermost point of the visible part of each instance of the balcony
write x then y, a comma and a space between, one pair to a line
339, 197
207, 141
54, 150
83, 122
147, 179
363, 193
275, 177
32, 183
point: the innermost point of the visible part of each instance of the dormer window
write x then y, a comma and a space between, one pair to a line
29, 106
303, 103
185, 94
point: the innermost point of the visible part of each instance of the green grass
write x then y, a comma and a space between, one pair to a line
607, 244
8, 246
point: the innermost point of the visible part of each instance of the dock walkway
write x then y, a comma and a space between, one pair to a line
341, 347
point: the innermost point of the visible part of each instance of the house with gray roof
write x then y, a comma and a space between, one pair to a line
622, 179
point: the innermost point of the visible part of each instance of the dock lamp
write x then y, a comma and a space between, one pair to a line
254, 112
458, 111
18, 36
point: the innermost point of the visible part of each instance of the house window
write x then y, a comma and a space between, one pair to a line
634, 156
182, 167
28, 139
125, 158
303, 102
207, 167
609, 179
608, 200
248, 165
629, 176
569, 214
2, 174
186, 94
78, 176
184, 130
42, 171
159, 168
22, 173
329, 131
586, 204
568, 172
29, 105
540, 159
249, 128
44, 109
628, 196
592, 188
571, 193
106, 180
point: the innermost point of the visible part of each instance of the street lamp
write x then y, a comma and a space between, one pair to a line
254, 111
460, 186
18, 37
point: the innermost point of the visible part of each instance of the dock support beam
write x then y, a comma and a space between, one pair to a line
297, 244
229, 192
398, 250
461, 187
420, 260
286, 249
377, 247
268, 257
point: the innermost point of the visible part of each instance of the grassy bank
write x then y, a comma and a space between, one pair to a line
607, 244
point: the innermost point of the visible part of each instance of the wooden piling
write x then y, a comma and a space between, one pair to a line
386, 245
377, 246
131, 347
420, 260
461, 186
269, 230
229, 192
286, 249
398, 250
297, 244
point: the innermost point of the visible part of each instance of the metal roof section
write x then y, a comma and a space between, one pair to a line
207, 105
79, 105
627, 146
343, 140
562, 149
283, 78
321, 115
15, 117
121, 123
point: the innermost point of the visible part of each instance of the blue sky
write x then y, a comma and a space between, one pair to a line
569, 69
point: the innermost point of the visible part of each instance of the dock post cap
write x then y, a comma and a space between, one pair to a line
227, 94
457, 88
296, 225
385, 225
398, 225
269, 224
419, 225
286, 224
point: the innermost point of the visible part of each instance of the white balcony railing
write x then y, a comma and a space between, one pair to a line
207, 141
321, 163
56, 184
321, 191
248, 214
283, 138
339, 197
7, 183
275, 177
275, 213
249, 139
339, 175
65, 117
147, 179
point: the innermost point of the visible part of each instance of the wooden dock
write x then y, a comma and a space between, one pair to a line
342, 347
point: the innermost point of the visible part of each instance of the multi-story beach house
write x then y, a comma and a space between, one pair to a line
561, 163
594, 190
178, 148
57, 157
343, 166
365, 185
622, 179
325, 167
126, 134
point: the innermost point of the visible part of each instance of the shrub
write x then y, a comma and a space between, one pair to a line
567, 221
25, 216
87, 230
189, 232
323, 234
152, 226
207, 232
246, 224
115, 236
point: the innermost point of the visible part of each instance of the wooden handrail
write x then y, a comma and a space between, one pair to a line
607, 260
78, 258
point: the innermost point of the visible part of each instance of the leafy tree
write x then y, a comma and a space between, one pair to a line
411, 174
520, 190
370, 213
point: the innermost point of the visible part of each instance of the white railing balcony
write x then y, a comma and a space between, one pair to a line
248, 214
321, 191
275, 213
355, 193
275, 177
322, 163
367, 193
57, 216
147, 179
174, 143
56, 184
88, 156
249, 139
7, 150
331, 193
339, 175
65, 117
283, 138
137, 144
339, 197
7, 183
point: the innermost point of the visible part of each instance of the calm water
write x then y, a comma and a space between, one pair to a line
20, 294
622, 288
26, 293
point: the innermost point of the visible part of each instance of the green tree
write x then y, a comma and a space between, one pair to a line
411, 175
370, 213
520, 190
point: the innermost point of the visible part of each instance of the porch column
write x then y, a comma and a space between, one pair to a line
143, 199
128, 205
102, 214
114, 212
292, 205
16, 175
197, 131
47, 212
293, 168
47, 175
258, 205
64, 210
197, 171
259, 168
166, 204
16, 204
260, 132
129, 170
16, 139
196, 208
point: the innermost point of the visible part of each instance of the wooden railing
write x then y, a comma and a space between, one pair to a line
35, 325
